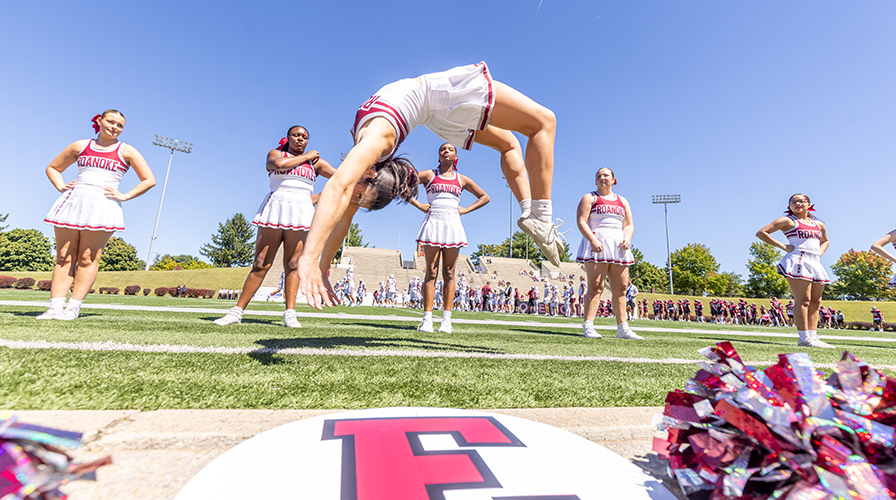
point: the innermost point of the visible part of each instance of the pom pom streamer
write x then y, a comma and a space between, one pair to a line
783, 433
32, 465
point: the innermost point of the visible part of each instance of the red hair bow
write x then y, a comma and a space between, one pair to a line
96, 122
283, 141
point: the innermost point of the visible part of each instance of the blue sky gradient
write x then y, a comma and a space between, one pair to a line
733, 105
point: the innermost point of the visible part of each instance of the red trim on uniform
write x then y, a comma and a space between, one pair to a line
782, 272
598, 198
487, 112
607, 261
468, 144
123, 165
395, 114
281, 226
486, 115
79, 227
443, 245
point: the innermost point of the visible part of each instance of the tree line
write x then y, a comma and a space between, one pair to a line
860, 275
233, 245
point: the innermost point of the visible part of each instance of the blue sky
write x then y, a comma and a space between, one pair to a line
733, 105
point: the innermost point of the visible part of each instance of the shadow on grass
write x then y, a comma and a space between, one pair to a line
266, 355
34, 314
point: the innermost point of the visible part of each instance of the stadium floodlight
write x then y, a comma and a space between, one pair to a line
173, 145
666, 199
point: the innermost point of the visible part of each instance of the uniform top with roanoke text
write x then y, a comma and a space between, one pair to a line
299, 177
805, 237
606, 212
443, 193
101, 168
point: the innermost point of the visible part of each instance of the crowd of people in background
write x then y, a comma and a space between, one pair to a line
735, 312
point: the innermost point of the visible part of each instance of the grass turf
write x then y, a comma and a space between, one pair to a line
75, 379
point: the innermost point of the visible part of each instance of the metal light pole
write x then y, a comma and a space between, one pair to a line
173, 145
665, 199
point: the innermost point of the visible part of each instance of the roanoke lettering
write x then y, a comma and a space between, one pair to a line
609, 209
100, 162
303, 171
443, 188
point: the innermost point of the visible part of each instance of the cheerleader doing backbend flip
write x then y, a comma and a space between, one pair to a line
283, 217
442, 234
605, 221
878, 248
89, 209
462, 105
807, 241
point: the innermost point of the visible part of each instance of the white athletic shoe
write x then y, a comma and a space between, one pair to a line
814, 343
590, 332
289, 319
546, 236
233, 317
628, 334
68, 314
425, 327
446, 326
51, 313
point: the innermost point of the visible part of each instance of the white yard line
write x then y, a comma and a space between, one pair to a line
308, 351
412, 319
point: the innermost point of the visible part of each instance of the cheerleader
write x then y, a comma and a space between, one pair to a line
89, 209
554, 304
878, 248
605, 221
807, 241
284, 217
462, 105
442, 235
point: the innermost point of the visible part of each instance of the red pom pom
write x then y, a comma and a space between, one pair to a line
736, 432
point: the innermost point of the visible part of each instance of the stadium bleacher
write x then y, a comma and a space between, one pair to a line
373, 265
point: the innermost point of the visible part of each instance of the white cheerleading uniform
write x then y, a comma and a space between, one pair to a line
86, 207
288, 205
454, 104
441, 226
803, 262
605, 221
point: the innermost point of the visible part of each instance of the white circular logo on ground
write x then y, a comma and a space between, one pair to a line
420, 454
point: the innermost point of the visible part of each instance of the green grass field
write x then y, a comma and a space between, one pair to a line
341, 360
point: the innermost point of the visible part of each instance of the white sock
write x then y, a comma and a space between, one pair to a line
238, 310
621, 327
542, 210
427, 316
74, 304
803, 335
289, 310
812, 334
446, 315
526, 206
57, 303
589, 325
